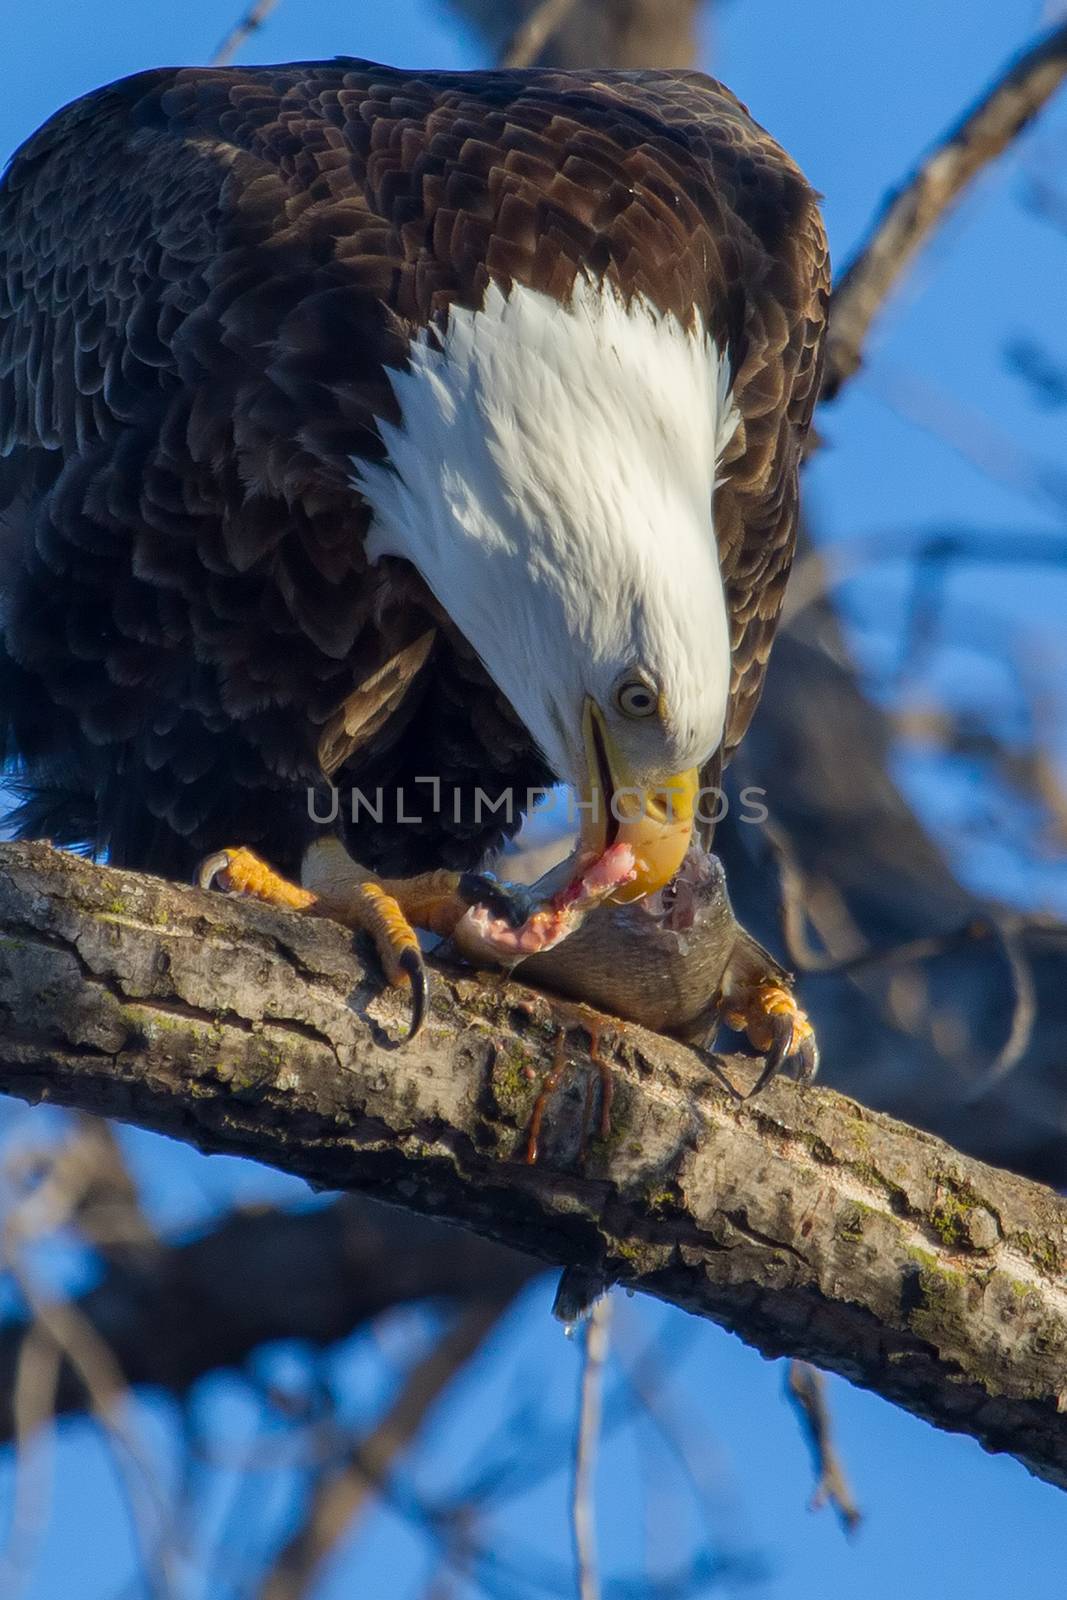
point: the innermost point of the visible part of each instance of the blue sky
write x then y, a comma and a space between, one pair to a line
856, 91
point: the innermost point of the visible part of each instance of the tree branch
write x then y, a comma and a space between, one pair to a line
342, 1494
249, 23
531, 36
805, 1223
916, 208
342, 1265
587, 33
806, 1388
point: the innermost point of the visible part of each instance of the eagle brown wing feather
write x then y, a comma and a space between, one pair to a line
204, 276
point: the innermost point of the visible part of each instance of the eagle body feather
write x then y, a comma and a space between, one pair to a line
210, 280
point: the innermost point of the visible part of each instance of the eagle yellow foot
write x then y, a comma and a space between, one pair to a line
385, 910
389, 909
239, 871
768, 1014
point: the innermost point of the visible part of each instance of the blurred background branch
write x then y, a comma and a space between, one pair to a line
344, 1265
243, 29
587, 33
920, 204
869, 869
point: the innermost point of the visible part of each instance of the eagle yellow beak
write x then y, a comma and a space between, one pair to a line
655, 819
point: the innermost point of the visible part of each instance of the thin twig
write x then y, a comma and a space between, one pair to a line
36, 1381
974, 436
679, 1427
1005, 929
806, 1388
820, 571
530, 38
583, 1518
242, 31
341, 1495
55, 1203
1023, 1009
912, 213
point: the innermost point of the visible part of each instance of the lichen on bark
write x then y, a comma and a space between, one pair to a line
808, 1224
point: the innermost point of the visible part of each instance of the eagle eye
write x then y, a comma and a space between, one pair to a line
635, 697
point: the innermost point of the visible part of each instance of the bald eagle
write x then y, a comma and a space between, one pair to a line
419, 438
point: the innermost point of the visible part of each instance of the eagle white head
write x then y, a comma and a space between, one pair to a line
552, 479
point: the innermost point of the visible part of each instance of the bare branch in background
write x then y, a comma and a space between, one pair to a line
972, 434
66, 1194
817, 573
596, 1331
806, 1387
591, 33
919, 205
342, 1265
344, 1492
33, 1397
802, 1221
530, 38
1045, 376
242, 31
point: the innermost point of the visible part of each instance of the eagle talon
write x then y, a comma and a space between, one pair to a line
413, 966
777, 1027
367, 906
807, 1057
211, 868
782, 1036
238, 870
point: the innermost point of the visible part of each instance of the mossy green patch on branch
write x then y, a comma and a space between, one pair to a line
873, 1177
1042, 1250
146, 911
514, 1084
663, 1200
936, 1297
960, 1217
641, 1257
851, 1223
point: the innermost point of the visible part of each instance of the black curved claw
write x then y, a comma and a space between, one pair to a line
412, 963
512, 901
807, 1059
781, 1039
209, 869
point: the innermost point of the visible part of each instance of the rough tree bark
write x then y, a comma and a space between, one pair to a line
804, 1222
961, 1312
